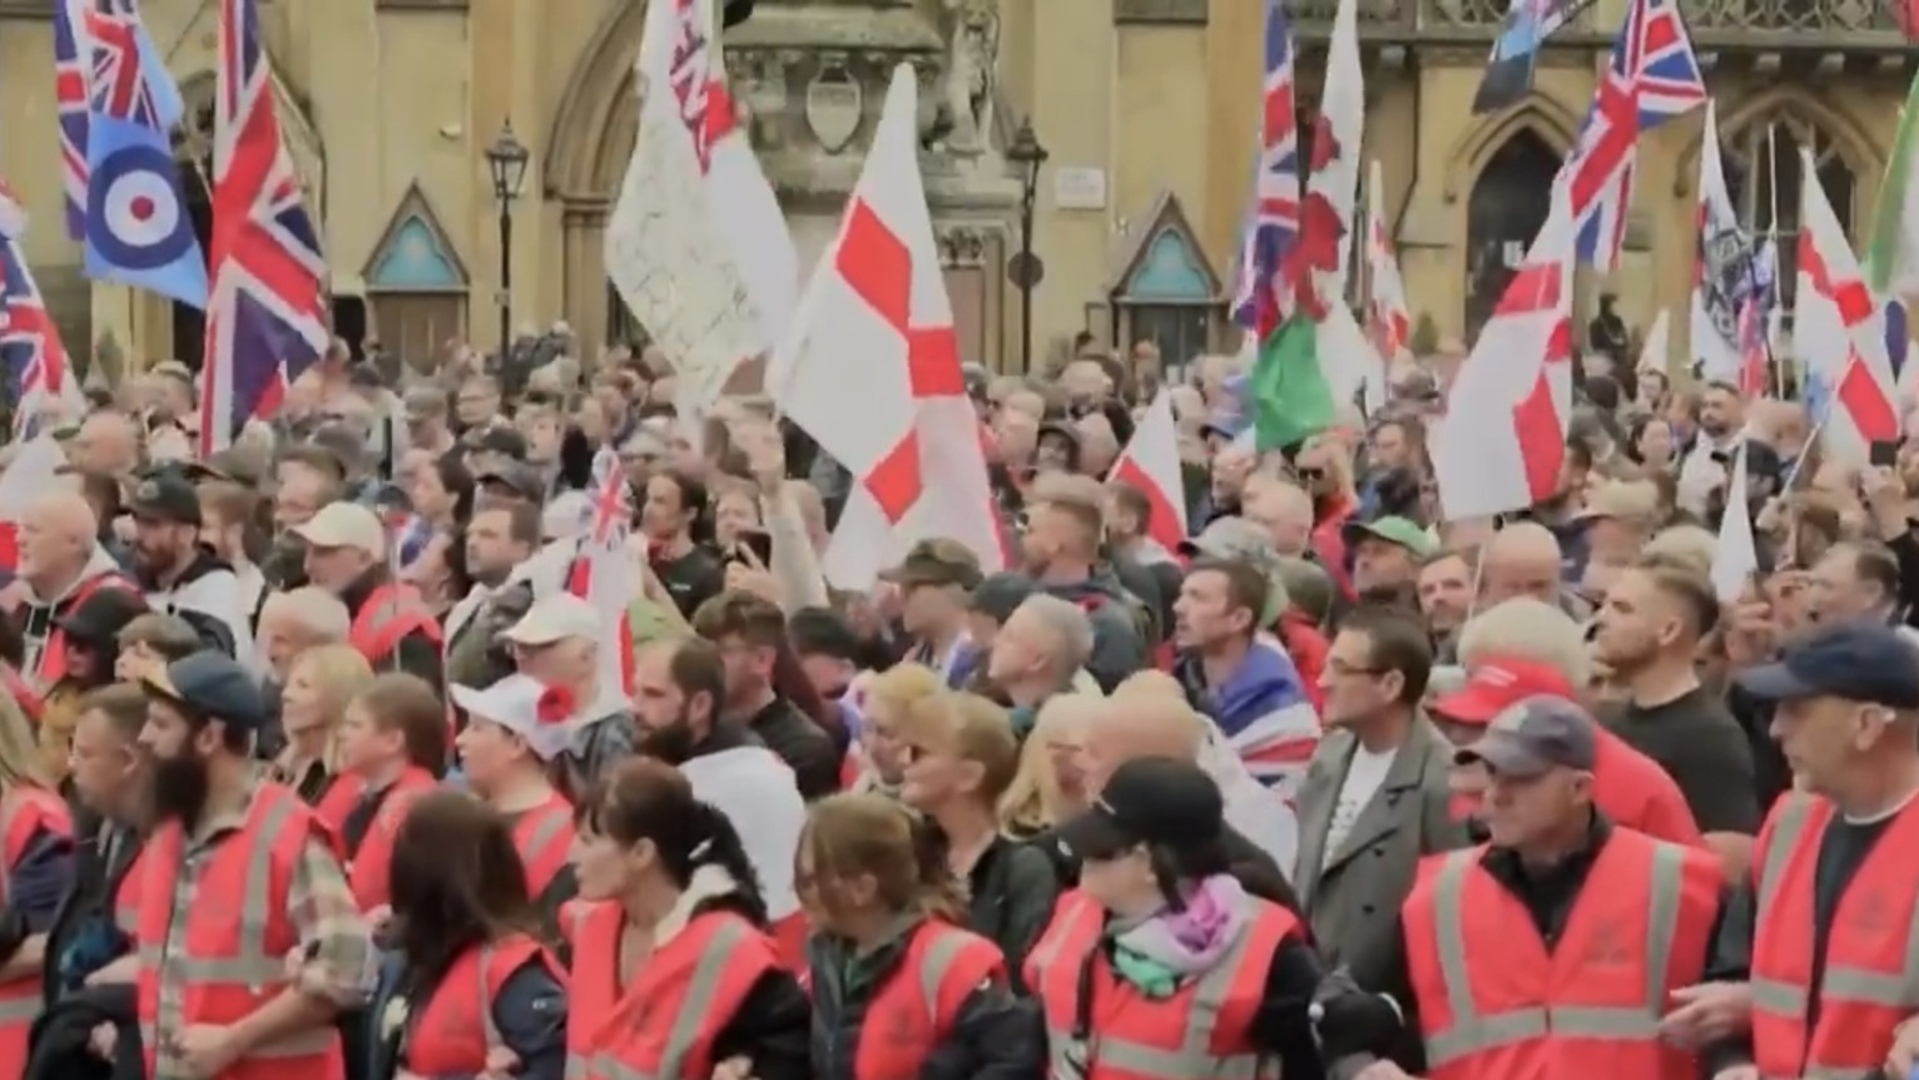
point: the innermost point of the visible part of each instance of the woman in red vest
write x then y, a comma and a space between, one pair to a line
36, 849
515, 728
470, 991
673, 970
1162, 965
392, 749
901, 992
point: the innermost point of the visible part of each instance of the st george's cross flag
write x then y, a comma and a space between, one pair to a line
871, 370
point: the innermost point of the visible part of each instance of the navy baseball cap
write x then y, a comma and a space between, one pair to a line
213, 685
1857, 661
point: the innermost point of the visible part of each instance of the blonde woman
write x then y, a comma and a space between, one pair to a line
1049, 786
320, 684
961, 756
36, 842
888, 697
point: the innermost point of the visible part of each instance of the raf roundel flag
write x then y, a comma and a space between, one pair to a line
138, 231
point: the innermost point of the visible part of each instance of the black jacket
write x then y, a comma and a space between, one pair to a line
802, 744
1010, 899
84, 923
998, 1036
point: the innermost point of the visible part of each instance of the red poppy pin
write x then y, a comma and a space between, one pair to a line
555, 706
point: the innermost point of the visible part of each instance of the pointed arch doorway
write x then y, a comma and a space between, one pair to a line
1508, 206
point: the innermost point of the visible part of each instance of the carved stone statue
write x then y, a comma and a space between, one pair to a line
972, 72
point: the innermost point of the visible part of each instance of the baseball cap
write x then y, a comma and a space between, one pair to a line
102, 614
1401, 531
166, 495
1152, 800
1534, 736
1495, 684
1308, 586
556, 618
937, 561
523, 480
997, 596
1856, 661
541, 715
214, 685
344, 524
1235, 539
1632, 500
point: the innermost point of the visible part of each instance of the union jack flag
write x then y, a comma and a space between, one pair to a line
1652, 77
601, 573
71, 96
1263, 299
33, 356
266, 318
126, 78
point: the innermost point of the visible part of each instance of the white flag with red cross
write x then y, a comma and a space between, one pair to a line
1837, 331
1151, 465
872, 371
1509, 407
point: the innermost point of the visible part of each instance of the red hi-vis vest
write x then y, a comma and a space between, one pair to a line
369, 867
660, 1026
544, 838
1204, 1029
24, 812
1871, 979
390, 613
231, 958
917, 1008
52, 666
453, 1034
1495, 1003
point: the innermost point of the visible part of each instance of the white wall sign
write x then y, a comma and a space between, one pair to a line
1078, 187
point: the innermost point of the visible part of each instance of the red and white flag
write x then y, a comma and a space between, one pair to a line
1838, 331
696, 245
1508, 409
872, 370
1389, 322
1150, 464
602, 575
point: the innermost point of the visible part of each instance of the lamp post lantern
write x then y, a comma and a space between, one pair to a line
1025, 269
507, 157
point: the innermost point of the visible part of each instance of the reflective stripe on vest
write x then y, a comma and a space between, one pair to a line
253, 967
1473, 1033
543, 828
689, 1017
1068, 1057
1838, 982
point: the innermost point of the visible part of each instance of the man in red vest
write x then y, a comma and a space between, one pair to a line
250, 938
392, 626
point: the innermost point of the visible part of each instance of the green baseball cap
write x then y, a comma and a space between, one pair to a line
1405, 532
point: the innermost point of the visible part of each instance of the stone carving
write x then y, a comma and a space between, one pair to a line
972, 41
962, 245
833, 104
760, 92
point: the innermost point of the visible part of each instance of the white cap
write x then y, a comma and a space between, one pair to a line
565, 517
514, 703
556, 618
345, 525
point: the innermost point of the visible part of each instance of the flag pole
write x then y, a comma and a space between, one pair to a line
1772, 237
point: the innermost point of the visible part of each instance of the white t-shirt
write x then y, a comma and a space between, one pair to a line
1363, 780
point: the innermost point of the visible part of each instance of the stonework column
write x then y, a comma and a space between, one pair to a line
1235, 51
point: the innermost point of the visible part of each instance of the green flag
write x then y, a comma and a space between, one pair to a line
1892, 250
1292, 399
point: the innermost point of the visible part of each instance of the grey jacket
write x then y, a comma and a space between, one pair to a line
1352, 895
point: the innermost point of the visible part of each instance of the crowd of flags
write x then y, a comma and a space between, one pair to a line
260, 279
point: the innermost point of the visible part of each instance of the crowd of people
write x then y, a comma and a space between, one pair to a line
318, 762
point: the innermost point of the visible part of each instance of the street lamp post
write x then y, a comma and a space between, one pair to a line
507, 158
1026, 270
